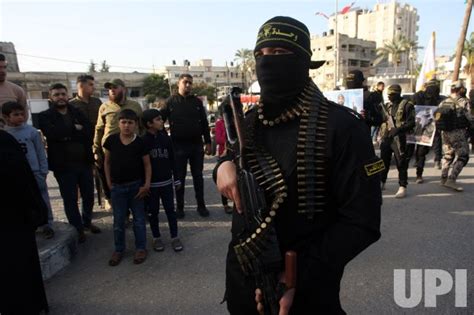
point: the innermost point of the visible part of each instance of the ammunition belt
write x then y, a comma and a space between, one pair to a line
311, 170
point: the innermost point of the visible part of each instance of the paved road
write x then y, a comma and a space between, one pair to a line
431, 228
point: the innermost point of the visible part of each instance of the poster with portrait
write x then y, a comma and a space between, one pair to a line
354, 99
425, 127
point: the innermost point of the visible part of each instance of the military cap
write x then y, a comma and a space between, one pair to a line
457, 85
287, 32
355, 76
394, 89
432, 82
114, 82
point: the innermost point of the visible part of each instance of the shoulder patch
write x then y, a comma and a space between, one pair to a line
374, 167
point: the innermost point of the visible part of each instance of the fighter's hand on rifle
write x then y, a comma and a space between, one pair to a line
227, 183
285, 302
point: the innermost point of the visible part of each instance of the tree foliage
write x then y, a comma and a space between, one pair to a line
468, 52
202, 89
92, 68
393, 50
155, 86
104, 66
246, 62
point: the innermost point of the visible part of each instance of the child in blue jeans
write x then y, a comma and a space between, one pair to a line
158, 144
127, 167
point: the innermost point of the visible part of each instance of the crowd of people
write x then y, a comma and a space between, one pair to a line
327, 217
138, 163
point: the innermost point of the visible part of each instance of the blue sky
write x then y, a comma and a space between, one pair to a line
144, 33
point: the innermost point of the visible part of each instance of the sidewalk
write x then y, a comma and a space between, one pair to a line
57, 253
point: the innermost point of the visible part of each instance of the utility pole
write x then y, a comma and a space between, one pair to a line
462, 38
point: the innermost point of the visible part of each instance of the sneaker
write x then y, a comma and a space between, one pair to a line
107, 205
382, 186
451, 183
82, 237
140, 256
227, 209
203, 212
437, 164
176, 244
94, 229
158, 245
180, 213
401, 193
419, 180
48, 233
115, 259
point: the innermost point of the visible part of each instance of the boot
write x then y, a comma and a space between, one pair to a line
419, 180
451, 183
401, 193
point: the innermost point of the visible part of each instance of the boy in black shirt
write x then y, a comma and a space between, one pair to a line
158, 144
127, 166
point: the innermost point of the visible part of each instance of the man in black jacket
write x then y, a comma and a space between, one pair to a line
372, 100
68, 134
316, 163
188, 124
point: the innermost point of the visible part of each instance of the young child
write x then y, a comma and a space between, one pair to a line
158, 144
30, 140
128, 172
221, 143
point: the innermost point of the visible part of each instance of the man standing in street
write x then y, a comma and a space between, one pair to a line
68, 134
107, 122
373, 101
85, 101
9, 92
326, 213
454, 135
89, 106
399, 119
429, 97
188, 123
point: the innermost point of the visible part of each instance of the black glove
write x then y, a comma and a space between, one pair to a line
393, 132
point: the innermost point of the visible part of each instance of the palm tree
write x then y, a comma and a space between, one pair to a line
468, 52
246, 62
394, 49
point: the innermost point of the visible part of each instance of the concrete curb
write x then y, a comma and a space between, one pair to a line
57, 253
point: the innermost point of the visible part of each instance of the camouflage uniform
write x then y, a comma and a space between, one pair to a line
455, 143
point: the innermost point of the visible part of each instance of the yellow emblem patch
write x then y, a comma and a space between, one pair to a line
374, 168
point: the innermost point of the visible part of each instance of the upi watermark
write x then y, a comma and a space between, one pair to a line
429, 283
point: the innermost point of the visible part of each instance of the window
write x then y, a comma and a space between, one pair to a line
364, 64
328, 48
353, 63
134, 92
352, 48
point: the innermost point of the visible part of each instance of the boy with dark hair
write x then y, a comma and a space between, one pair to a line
158, 144
128, 172
30, 140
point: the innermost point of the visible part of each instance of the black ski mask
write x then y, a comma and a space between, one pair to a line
283, 77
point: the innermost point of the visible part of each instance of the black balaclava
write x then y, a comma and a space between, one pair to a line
282, 77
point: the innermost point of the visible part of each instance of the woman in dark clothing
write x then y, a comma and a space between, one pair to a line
22, 211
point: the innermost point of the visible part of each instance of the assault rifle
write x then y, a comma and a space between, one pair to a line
264, 264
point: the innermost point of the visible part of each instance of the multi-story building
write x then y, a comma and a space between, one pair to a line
382, 24
354, 53
8, 49
204, 72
